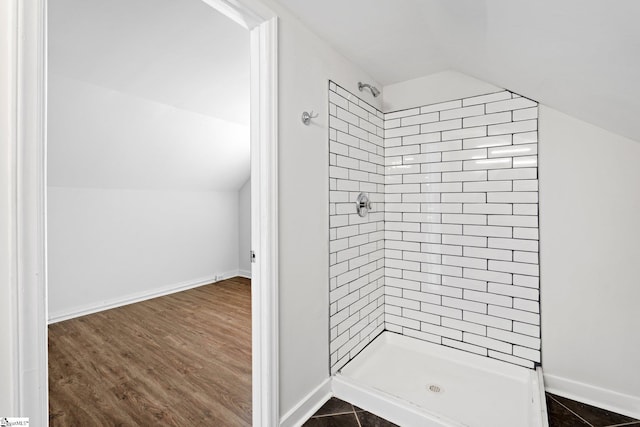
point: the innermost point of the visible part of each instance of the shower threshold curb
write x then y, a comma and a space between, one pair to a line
385, 405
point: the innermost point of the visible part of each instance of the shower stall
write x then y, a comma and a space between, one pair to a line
434, 272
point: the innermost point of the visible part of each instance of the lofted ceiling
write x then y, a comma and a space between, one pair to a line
147, 94
581, 57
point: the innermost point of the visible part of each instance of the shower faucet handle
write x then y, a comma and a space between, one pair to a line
363, 204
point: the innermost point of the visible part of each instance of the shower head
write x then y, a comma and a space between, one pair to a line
374, 90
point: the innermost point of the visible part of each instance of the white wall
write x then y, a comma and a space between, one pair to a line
434, 88
590, 248
110, 246
138, 204
244, 229
104, 138
306, 63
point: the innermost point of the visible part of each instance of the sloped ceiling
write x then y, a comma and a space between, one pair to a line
147, 94
581, 57
181, 53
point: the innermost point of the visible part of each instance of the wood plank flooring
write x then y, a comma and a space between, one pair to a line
181, 359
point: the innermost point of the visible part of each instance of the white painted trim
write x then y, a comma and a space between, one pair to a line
308, 406
30, 207
593, 395
30, 314
244, 273
228, 275
132, 298
237, 12
264, 222
9, 402
541, 398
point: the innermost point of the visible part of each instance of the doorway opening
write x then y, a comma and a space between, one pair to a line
148, 206
29, 332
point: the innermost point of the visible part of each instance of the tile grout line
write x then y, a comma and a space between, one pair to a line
356, 415
330, 415
574, 413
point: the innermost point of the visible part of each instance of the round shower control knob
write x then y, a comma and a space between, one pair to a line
363, 204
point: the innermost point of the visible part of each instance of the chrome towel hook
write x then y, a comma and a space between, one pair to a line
306, 117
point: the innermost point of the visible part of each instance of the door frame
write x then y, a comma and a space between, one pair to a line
27, 207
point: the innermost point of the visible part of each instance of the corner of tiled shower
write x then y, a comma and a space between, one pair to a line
449, 253
356, 164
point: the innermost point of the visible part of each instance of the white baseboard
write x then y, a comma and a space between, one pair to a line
244, 273
307, 406
592, 395
133, 298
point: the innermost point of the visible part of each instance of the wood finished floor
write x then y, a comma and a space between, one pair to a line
181, 359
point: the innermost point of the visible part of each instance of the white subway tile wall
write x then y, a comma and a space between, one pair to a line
356, 272
454, 226
472, 283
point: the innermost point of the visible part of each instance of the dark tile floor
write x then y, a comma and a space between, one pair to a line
338, 413
563, 412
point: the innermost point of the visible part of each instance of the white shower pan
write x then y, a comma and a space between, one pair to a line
417, 383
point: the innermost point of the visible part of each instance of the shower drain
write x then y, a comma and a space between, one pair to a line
435, 388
